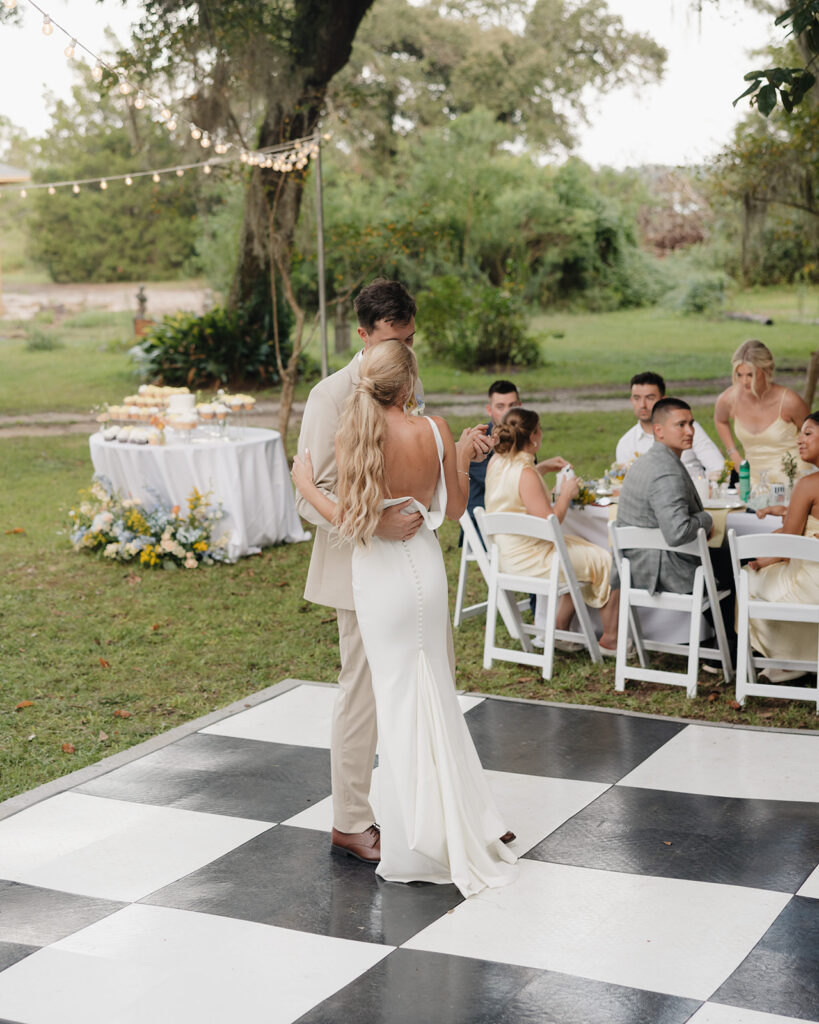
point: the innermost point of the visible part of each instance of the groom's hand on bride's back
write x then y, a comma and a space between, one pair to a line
394, 524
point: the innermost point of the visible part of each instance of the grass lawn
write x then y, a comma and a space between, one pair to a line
110, 655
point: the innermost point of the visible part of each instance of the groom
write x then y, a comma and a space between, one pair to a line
386, 311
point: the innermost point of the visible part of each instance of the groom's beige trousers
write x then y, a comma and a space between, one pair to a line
329, 582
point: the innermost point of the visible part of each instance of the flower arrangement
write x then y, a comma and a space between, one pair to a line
586, 494
126, 531
617, 470
725, 472
789, 468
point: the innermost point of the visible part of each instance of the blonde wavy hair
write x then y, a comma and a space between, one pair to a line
388, 375
754, 353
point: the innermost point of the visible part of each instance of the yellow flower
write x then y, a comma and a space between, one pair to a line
148, 555
135, 521
200, 545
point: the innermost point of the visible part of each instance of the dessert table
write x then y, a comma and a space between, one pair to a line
248, 474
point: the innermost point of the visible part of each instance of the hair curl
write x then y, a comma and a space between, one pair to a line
388, 375
515, 430
753, 353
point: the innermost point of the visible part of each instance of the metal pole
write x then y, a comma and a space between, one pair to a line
325, 369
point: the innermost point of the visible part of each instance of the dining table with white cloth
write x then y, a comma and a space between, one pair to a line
247, 475
591, 523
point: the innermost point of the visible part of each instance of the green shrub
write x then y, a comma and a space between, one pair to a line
41, 341
472, 325
703, 292
220, 347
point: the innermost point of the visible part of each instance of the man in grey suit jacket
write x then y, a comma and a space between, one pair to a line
386, 311
659, 493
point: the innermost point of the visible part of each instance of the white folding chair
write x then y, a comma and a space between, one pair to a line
553, 587
772, 545
704, 596
473, 550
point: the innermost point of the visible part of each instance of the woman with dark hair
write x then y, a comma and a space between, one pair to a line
514, 485
767, 416
439, 822
791, 579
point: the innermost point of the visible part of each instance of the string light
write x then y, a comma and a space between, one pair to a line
139, 102
206, 169
9, 4
48, 27
52, 191
69, 50
96, 72
171, 125
205, 141
155, 178
129, 180
103, 184
179, 172
124, 88
195, 132
75, 188
23, 193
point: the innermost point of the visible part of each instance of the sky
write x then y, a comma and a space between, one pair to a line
684, 119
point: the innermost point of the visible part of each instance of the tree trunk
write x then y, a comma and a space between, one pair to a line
342, 328
321, 39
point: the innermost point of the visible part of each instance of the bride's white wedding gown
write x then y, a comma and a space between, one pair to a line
438, 819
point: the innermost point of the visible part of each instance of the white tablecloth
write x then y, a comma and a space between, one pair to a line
249, 476
591, 522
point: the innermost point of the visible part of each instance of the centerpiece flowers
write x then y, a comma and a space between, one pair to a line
162, 536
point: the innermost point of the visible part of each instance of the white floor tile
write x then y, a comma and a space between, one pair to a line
715, 1013
301, 716
667, 935
811, 886
733, 763
175, 967
111, 848
532, 806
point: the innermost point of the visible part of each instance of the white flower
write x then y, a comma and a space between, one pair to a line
190, 561
102, 520
112, 550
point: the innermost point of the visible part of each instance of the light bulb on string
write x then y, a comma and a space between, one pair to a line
75, 188
244, 157
103, 184
205, 141
52, 191
129, 180
171, 125
195, 132
179, 172
139, 102
9, 4
96, 72
23, 193
155, 178
164, 114
124, 88
207, 169
69, 50
48, 27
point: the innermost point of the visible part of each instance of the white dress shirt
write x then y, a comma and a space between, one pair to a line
702, 457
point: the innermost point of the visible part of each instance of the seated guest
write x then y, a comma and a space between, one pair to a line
503, 396
791, 580
647, 388
657, 493
513, 484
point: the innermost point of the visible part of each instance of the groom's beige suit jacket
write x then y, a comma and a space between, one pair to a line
329, 578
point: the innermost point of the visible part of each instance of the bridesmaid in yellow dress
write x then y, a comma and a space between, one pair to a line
767, 416
791, 580
514, 485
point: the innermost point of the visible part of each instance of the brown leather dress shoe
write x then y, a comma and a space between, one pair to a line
508, 837
364, 846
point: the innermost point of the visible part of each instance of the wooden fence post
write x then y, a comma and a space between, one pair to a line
813, 376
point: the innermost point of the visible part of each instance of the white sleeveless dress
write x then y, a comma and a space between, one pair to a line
438, 819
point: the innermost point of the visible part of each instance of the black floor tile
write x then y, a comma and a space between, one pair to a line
766, 844
563, 743
410, 987
222, 775
31, 916
289, 878
781, 973
12, 952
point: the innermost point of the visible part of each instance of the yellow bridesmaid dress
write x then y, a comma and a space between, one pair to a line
531, 556
765, 448
794, 581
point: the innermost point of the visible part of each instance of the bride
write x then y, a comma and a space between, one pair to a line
439, 822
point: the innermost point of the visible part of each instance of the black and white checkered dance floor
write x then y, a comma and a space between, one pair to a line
668, 873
